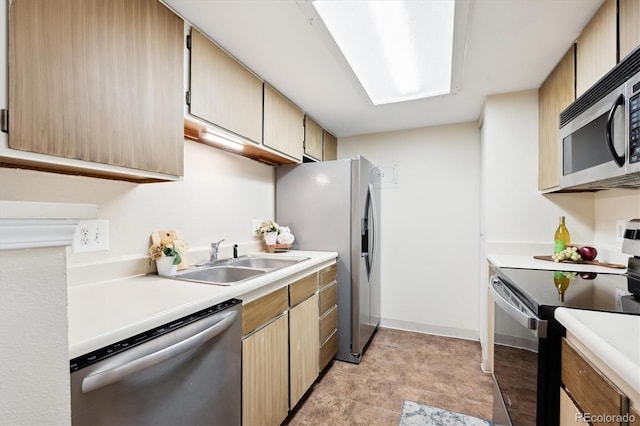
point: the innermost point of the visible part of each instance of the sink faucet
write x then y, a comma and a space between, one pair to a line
214, 251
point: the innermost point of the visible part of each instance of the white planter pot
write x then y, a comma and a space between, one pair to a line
270, 238
165, 266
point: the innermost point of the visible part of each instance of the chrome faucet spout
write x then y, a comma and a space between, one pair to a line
213, 255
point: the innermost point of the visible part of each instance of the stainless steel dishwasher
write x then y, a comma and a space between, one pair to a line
186, 372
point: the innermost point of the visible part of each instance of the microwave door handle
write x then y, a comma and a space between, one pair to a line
619, 159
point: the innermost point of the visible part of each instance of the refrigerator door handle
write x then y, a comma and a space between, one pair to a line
368, 245
373, 250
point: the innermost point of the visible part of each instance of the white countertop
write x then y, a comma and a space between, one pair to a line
613, 338
105, 312
528, 262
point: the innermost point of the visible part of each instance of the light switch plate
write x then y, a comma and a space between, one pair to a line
91, 235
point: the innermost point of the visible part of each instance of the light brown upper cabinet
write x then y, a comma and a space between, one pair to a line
596, 47
629, 18
99, 81
312, 138
283, 124
223, 91
330, 147
556, 93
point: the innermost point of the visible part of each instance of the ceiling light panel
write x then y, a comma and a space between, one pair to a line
399, 50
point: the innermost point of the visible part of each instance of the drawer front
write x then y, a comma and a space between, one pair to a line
592, 392
328, 275
328, 350
328, 298
264, 309
328, 324
302, 289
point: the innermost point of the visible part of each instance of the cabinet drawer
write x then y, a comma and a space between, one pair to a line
328, 275
328, 350
300, 290
328, 298
589, 389
328, 324
261, 311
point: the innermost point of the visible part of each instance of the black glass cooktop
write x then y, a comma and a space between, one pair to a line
543, 291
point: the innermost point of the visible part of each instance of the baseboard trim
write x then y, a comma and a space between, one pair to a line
460, 333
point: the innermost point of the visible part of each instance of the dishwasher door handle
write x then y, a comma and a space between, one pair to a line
522, 316
126, 367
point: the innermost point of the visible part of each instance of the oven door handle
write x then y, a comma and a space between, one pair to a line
522, 315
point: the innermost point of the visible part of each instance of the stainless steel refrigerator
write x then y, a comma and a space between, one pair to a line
334, 206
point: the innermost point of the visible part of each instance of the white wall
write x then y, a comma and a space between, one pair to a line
220, 195
514, 208
611, 206
34, 363
429, 226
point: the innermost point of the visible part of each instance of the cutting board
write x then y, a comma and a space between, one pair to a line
157, 236
585, 262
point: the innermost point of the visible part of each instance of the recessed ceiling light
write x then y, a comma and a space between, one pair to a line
399, 50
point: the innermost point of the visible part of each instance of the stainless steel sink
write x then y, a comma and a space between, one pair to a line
234, 271
267, 262
221, 275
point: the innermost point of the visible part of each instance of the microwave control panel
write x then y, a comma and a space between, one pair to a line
634, 129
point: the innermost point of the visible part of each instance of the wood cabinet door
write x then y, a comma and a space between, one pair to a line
330, 147
303, 348
312, 138
555, 94
569, 413
597, 47
629, 19
98, 80
223, 91
283, 124
265, 375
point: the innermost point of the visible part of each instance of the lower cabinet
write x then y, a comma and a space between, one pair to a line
281, 347
265, 375
587, 395
265, 359
303, 348
569, 413
328, 313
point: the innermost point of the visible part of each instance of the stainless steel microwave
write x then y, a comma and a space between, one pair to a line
600, 132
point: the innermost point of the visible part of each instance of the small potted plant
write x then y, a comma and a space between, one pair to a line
168, 255
269, 231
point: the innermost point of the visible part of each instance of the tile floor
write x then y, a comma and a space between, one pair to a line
439, 371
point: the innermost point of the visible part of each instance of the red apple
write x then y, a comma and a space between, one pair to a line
588, 275
588, 253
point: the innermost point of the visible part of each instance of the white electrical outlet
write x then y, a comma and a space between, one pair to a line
620, 227
619, 294
91, 235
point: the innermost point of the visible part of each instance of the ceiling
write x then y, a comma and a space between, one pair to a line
502, 46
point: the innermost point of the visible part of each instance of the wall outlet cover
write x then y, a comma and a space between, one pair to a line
621, 225
91, 235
